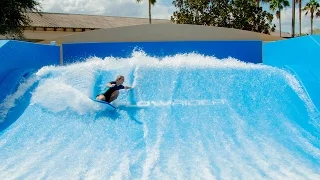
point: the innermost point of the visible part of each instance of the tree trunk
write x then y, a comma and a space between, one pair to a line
293, 18
280, 21
300, 17
149, 11
311, 22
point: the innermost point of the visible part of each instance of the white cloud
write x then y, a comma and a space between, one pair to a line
286, 16
129, 8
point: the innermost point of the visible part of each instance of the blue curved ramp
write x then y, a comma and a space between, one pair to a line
202, 118
310, 78
11, 81
301, 57
17, 58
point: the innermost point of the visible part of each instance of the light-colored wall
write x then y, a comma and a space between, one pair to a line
164, 32
145, 32
47, 35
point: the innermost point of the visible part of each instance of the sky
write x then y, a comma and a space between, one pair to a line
163, 9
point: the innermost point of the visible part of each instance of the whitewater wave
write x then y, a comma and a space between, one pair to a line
71, 86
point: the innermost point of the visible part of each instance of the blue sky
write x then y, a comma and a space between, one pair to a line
162, 10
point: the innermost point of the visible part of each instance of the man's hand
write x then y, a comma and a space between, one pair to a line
110, 85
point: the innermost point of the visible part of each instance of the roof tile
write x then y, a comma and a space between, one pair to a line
86, 21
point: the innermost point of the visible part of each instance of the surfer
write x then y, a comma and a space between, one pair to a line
113, 92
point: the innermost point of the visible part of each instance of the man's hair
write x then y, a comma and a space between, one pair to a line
119, 77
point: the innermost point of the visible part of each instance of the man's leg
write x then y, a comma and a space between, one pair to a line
114, 96
101, 97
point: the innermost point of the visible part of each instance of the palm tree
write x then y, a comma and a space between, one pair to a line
151, 2
300, 2
313, 7
278, 5
293, 17
263, 1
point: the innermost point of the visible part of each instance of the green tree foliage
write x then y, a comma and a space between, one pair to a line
13, 17
278, 5
312, 7
258, 2
239, 14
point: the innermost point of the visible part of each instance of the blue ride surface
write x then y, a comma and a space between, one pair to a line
201, 118
301, 57
19, 59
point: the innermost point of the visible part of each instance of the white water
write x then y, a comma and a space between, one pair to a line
206, 118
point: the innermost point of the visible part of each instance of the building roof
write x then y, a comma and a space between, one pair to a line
120, 29
62, 20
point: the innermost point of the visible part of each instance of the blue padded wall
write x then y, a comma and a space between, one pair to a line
301, 56
17, 58
247, 51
